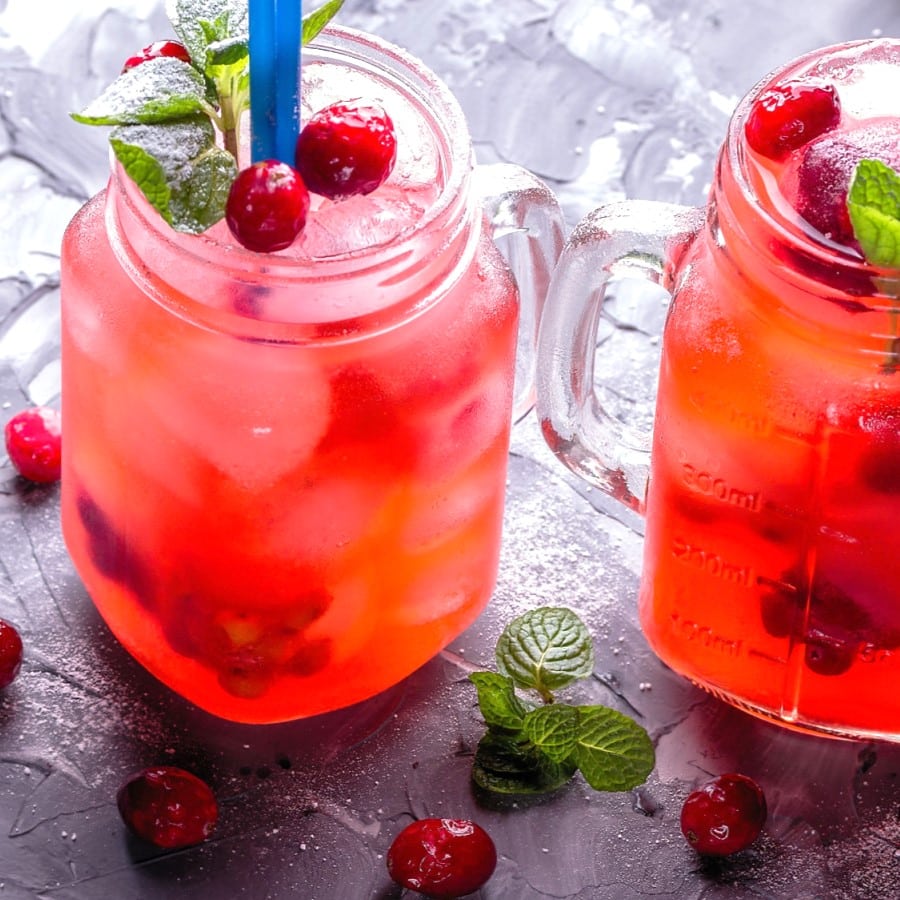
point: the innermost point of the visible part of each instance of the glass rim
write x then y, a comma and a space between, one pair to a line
735, 152
438, 107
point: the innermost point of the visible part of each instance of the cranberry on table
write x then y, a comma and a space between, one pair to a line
267, 206
155, 50
787, 116
10, 653
724, 815
442, 857
345, 149
168, 807
34, 443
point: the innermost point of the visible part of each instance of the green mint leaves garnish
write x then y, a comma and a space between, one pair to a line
177, 123
202, 25
545, 650
159, 90
532, 748
312, 23
188, 183
873, 202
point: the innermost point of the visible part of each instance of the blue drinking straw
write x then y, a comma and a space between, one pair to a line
275, 33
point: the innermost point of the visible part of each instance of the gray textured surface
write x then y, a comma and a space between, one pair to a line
603, 100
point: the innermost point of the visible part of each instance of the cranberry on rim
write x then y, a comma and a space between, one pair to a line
345, 149
787, 116
724, 815
168, 807
442, 857
34, 444
819, 186
155, 51
267, 206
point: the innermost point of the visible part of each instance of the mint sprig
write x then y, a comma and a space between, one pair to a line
159, 90
873, 203
532, 748
188, 184
177, 123
545, 650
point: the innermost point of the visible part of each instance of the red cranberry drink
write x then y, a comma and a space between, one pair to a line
284, 471
772, 547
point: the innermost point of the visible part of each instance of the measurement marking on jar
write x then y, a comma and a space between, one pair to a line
712, 564
703, 634
741, 419
719, 489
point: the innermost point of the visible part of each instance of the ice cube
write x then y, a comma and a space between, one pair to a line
254, 411
440, 512
337, 227
457, 432
447, 581
323, 521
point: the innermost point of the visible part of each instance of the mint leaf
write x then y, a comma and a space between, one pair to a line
228, 53
199, 23
179, 169
159, 90
497, 699
613, 752
545, 649
553, 730
873, 203
507, 765
312, 23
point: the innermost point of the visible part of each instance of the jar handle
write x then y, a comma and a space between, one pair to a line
634, 239
528, 228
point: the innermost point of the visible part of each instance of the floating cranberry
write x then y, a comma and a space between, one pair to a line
345, 149
10, 653
34, 444
834, 625
724, 816
879, 464
155, 51
787, 116
310, 656
442, 857
826, 169
267, 206
829, 653
168, 807
111, 553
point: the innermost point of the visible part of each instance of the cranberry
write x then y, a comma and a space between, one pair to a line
310, 656
113, 555
156, 50
442, 857
787, 116
10, 653
724, 816
267, 206
34, 443
829, 653
879, 464
347, 148
826, 169
836, 625
168, 806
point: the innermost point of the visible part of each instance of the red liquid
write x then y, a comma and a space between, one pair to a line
772, 567
275, 531
284, 475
